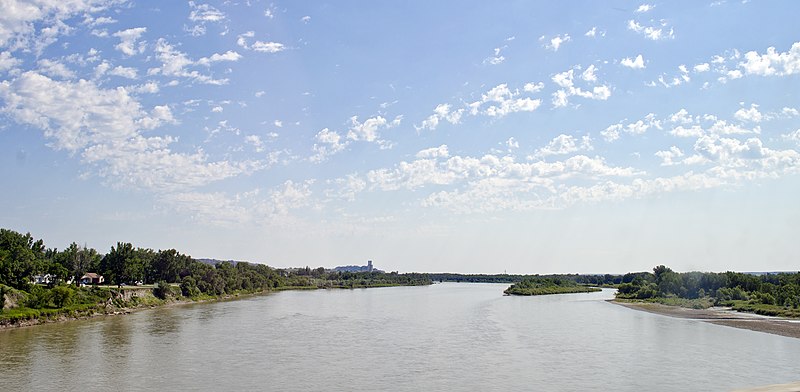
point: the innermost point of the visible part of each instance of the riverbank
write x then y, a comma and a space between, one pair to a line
129, 301
722, 316
135, 299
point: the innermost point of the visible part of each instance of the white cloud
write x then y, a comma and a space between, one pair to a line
216, 57
368, 130
682, 116
668, 157
793, 136
591, 33
94, 22
255, 141
55, 68
175, 62
291, 196
790, 112
20, 21
496, 58
637, 63
644, 8
588, 74
306, 19
704, 67
125, 72
512, 144
259, 46
129, 38
681, 131
328, 143
7, 61
73, 114
557, 41
653, 33
749, 115
772, 63
348, 187
613, 132
565, 80
105, 126
563, 144
268, 47
533, 88
205, 13
442, 111
434, 152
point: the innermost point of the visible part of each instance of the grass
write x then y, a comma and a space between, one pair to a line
763, 309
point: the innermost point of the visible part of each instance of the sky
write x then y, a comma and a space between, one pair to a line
519, 137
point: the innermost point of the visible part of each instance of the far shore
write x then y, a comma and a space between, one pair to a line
723, 316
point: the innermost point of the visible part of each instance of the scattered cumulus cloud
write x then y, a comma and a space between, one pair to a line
772, 63
555, 43
562, 145
566, 81
636, 63
129, 38
654, 33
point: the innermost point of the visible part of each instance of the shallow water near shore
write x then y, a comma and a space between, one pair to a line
442, 337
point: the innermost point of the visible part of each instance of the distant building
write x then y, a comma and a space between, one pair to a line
44, 279
357, 268
92, 278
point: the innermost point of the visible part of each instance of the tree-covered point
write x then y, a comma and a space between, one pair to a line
170, 273
539, 285
773, 294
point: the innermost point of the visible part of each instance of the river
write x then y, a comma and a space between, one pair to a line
453, 337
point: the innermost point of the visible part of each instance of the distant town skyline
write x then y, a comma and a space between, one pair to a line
533, 137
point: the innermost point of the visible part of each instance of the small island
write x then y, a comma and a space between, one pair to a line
537, 285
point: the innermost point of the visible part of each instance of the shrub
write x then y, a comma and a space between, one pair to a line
162, 290
62, 295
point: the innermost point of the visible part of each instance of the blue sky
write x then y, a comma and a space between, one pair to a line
527, 137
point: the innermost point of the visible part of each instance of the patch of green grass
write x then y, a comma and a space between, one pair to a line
763, 309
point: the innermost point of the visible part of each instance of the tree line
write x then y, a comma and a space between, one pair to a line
773, 289
22, 257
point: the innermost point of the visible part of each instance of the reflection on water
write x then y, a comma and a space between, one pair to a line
442, 337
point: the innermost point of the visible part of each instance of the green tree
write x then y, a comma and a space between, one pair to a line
20, 258
118, 264
62, 295
163, 290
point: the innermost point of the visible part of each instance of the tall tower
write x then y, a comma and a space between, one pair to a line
369, 265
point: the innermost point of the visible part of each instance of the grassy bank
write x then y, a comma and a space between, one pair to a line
100, 301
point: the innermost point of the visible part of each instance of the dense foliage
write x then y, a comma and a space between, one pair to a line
595, 280
167, 273
743, 291
553, 284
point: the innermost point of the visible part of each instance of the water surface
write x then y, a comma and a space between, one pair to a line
462, 337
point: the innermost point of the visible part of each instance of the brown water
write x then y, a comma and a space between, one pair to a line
444, 337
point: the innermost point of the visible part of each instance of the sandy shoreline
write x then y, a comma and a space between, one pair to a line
723, 316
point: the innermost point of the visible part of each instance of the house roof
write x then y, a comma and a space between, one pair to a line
91, 275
